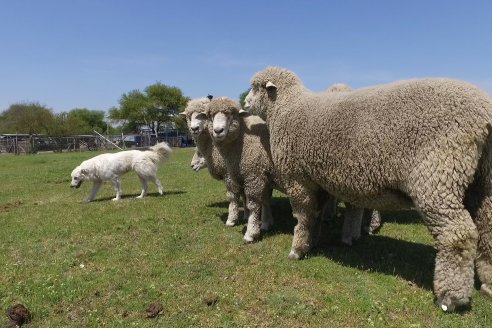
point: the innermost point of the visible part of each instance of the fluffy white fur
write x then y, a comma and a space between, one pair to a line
113, 166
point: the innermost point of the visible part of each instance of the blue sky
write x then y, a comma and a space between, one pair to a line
69, 54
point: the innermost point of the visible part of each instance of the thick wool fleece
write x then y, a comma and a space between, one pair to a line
246, 153
422, 143
215, 163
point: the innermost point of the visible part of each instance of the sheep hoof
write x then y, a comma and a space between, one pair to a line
294, 256
248, 239
230, 223
451, 304
266, 227
486, 290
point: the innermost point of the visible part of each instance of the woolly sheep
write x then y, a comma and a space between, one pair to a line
425, 143
243, 142
207, 155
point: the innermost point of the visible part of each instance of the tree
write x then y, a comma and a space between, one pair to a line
92, 119
242, 97
30, 118
158, 103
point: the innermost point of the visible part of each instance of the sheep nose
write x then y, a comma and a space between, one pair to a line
219, 130
194, 128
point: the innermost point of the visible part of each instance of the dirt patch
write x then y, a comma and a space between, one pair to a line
9, 206
154, 310
19, 314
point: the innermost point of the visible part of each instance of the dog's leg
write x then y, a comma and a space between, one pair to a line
144, 187
95, 188
117, 187
158, 183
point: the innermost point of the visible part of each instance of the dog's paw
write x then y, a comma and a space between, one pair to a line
116, 198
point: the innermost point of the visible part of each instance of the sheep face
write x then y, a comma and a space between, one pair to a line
197, 123
221, 124
259, 98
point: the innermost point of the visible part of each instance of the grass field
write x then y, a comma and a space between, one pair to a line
101, 264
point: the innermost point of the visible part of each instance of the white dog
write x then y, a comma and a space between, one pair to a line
112, 166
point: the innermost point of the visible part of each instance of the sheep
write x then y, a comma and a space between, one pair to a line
423, 143
207, 155
243, 142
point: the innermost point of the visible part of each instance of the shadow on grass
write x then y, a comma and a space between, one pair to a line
413, 262
150, 194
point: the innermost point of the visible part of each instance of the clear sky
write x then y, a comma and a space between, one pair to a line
69, 54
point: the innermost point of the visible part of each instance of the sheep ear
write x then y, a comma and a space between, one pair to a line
243, 113
182, 114
270, 86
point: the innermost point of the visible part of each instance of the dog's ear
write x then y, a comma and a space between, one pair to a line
84, 172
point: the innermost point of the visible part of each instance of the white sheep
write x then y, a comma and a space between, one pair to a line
206, 154
422, 143
242, 140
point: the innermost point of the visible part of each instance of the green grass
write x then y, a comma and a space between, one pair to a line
101, 264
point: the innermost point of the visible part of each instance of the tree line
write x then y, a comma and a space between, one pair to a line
153, 107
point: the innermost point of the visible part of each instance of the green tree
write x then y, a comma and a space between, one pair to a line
66, 124
92, 119
158, 103
242, 96
30, 118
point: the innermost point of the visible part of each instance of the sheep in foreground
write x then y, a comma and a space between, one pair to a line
422, 143
207, 155
243, 142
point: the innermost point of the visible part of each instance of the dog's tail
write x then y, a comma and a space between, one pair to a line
163, 150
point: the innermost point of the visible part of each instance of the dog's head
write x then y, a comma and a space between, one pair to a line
78, 176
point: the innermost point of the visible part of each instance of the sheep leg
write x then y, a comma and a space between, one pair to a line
233, 213
483, 261
233, 194
372, 221
456, 239
266, 212
245, 211
253, 229
304, 204
478, 201
352, 223
329, 210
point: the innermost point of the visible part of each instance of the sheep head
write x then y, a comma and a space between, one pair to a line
224, 115
266, 85
196, 117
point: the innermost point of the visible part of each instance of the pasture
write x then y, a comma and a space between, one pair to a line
101, 264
